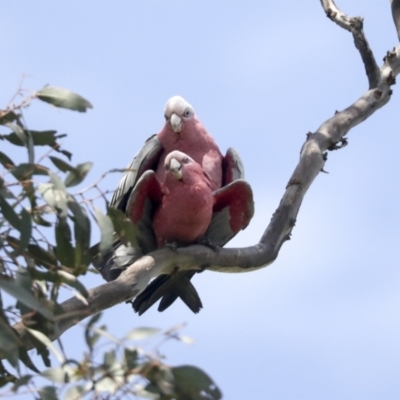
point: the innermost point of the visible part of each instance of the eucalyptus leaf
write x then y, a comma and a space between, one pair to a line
24, 137
141, 333
107, 231
56, 375
74, 392
61, 164
47, 342
81, 233
54, 197
123, 226
24, 296
78, 174
48, 393
193, 383
63, 98
65, 251
26, 231
25, 171
6, 161
10, 214
7, 116
72, 281
9, 343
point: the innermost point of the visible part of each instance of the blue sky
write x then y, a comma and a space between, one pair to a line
323, 320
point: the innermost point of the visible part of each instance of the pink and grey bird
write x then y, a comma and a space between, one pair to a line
183, 207
184, 132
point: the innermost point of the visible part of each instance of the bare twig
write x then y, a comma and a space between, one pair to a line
355, 26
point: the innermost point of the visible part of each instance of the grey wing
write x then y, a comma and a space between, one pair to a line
146, 158
120, 256
232, 167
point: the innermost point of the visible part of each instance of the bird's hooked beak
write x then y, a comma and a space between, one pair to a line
176, 123
176, 168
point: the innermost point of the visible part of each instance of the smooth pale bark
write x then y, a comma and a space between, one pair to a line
329, 136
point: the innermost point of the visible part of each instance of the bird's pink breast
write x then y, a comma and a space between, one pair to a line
184, 215
197, 143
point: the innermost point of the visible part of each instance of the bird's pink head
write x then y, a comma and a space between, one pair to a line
180, 167
181, 122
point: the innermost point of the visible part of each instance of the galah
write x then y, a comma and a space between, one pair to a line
182, 131
183, 207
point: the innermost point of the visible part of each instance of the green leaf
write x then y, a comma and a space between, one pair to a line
141, 333
9, 213
7, 116
55, 195
23, 381
61, 164
91, 337
71, 280
19, 138
9, 343
26, 231
41, 256
74, 392
6, 161
81, 233
193, 383
56, 375
24, 137
23, 224
23, 279
63, 98
48, 393
65, 251
25, 171
15, 290
123, 226
107, 231
131, 358
7, 194
46, 138
77, 175
47, 342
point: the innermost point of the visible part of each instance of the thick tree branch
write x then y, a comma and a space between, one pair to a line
312, 159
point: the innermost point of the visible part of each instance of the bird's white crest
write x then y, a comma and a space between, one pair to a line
177, 105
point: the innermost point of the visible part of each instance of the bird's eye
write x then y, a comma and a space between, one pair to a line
166, 167
185, 160
186, 113
166, 117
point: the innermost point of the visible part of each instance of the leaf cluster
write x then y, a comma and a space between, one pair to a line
45, 234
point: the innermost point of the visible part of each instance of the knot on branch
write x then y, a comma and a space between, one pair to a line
390, 80
336, 146
357, 24
331, 14
390, 55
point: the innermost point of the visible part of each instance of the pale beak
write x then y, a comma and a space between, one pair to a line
176, 168
176, 123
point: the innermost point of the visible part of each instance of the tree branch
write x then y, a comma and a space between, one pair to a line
312, 158
355, 26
